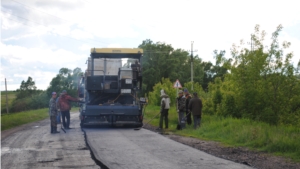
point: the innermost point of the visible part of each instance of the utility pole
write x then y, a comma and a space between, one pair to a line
6, 97
192, 64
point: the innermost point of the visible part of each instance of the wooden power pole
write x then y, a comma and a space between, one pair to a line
192, 72
6, 97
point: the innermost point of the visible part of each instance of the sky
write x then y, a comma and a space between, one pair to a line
39, 37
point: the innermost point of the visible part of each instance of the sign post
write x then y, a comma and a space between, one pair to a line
177, 85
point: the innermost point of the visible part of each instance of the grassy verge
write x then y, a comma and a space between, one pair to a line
278, 140
16, 119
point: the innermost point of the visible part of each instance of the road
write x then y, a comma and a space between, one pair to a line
114, 148
33, 147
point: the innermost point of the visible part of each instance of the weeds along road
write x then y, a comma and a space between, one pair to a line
113, 148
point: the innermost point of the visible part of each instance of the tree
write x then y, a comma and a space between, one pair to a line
66, 79
27, 89
261, 85
161, 60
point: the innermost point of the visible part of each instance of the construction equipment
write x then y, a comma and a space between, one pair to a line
110, 90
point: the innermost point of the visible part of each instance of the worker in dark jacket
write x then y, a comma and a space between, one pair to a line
53, 113
195, 106
180, 102
187, 111
64, 106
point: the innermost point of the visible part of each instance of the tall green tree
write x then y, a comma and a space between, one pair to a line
66, 79
161, 60
27, 88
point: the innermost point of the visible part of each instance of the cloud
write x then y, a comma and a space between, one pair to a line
44, 36
115, 45
42, 65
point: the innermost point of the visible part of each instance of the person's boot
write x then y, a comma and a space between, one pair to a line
51, 129
55, 130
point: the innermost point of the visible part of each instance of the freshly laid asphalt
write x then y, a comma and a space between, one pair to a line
135, 149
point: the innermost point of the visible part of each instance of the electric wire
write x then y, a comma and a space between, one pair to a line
47, 30
30, 7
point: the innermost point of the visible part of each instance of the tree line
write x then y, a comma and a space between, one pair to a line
261, 84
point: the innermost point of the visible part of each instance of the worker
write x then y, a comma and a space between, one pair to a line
165, 106
195, 106
187, 111
64, 106
53, 113
180, 102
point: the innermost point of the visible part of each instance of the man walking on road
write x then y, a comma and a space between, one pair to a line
195, 106
64, 106
180, 102
53, 113
165, 106
187, 111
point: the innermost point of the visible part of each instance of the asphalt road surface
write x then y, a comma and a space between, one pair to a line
115, 148
33, 147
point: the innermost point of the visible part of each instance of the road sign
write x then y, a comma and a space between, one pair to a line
177, 84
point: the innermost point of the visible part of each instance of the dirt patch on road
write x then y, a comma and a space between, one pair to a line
255, 159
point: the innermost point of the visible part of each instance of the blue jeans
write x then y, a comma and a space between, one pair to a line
181, 119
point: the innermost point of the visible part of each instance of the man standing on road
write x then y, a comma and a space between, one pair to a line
180, 102
195, 106
53, 113
165, 106
58, 112
187, 111
64, 106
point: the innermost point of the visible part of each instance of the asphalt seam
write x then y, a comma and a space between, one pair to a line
99, 163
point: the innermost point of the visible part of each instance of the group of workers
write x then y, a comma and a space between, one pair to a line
186, 106
61, 105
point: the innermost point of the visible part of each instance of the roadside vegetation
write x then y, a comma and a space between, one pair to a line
279, 140
17, 119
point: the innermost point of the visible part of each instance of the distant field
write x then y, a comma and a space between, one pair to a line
11, 95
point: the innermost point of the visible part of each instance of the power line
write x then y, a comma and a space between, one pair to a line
38, 10
30, 7
46, 26
47, 30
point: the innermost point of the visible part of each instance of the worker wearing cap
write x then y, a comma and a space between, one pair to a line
195, 106
180, 102
53, 113
64, 106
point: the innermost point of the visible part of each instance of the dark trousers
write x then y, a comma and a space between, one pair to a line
164, 116
188, 117
65, 115
53, 123
197, 121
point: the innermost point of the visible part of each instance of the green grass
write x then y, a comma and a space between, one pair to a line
278, 140
11, 95
16, 119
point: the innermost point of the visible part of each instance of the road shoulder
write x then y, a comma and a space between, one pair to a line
240, 155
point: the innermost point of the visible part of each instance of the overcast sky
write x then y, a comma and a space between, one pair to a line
38, 37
